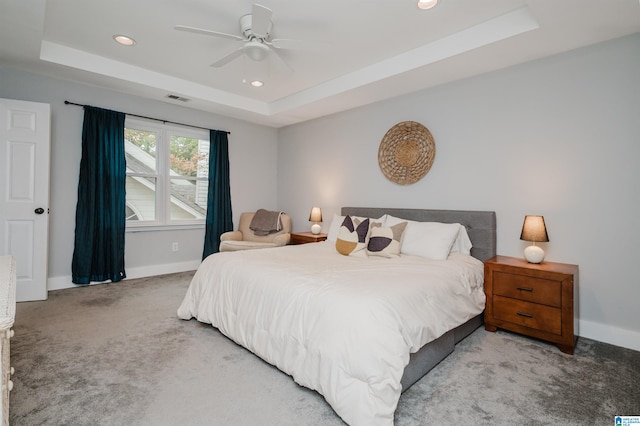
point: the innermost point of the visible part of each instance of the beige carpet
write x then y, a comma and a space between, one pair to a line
116, 354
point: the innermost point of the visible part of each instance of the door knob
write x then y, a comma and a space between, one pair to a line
39, 210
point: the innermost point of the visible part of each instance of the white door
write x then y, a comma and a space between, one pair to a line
24, 193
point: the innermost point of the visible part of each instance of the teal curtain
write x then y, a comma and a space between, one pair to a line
98, 253
219, 218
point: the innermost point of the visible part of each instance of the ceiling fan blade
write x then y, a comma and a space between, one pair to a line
260, 20
207, 32
283, 43
226, 59
281, 59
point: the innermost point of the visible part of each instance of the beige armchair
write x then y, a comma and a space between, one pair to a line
245, 239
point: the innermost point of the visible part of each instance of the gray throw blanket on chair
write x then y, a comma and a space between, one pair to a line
265, 222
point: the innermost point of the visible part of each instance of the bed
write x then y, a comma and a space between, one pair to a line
357, 329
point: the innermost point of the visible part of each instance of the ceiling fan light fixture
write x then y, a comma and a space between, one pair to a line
426, 4
256, 50
255, 73
124, 40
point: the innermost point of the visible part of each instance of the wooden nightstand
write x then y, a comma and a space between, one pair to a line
306, 237
532, 299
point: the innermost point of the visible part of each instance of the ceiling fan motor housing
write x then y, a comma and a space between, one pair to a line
247, 31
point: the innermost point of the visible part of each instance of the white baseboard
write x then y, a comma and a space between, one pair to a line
613, 335
60, 283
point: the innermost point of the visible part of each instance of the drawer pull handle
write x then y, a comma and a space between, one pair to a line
525, 289
523, 314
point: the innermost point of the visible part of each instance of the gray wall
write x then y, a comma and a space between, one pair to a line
253, 168
558, 137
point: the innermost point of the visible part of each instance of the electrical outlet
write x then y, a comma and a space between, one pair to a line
175, 246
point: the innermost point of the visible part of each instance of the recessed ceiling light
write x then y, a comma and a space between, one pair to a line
427, 4
257, 83
124, 40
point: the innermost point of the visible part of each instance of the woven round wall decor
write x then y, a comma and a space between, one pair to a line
406, 152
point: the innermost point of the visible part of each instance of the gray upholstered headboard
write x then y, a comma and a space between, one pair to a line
481, 225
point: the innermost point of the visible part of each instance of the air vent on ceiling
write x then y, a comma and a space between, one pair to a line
178, 98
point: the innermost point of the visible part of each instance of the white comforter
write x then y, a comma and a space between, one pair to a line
343, 326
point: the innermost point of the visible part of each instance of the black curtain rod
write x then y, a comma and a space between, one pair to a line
148, 118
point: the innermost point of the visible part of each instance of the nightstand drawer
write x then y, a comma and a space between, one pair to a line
527, 288
539, 317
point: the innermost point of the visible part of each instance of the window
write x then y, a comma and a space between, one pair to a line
167, 174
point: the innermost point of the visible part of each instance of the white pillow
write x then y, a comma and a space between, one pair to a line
382, 220
462, 244
432, 240
336, 223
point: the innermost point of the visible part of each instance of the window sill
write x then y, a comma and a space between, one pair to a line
156, 228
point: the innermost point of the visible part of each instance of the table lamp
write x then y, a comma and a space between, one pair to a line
315, 216
534, 230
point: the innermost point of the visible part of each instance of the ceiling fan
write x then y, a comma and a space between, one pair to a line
257, 44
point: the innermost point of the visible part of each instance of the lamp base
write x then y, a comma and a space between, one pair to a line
316, 228
534, 254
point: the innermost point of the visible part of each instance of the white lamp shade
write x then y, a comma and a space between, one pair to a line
534, 229
315, 215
